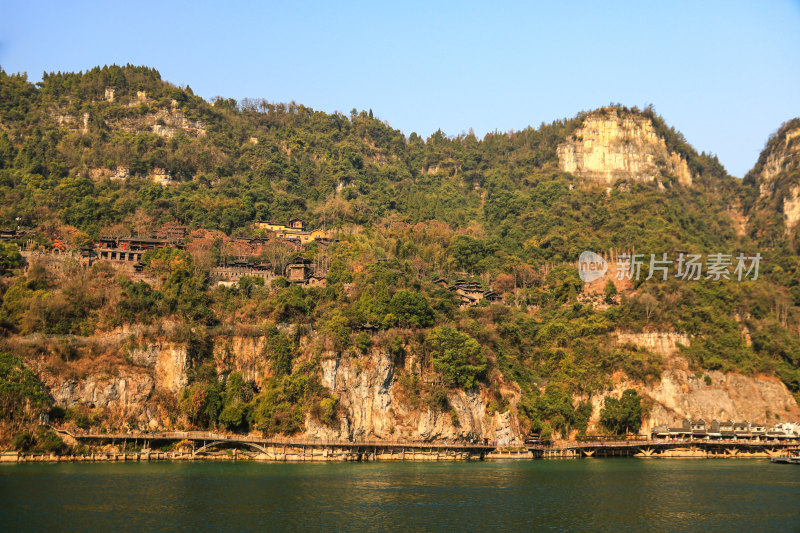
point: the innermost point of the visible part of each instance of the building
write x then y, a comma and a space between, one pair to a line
294, 230
698, 429
172, 232
299, 270
316, 281
469, 293
231, 274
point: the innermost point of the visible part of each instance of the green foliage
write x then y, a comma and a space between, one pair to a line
280, 352
336, 328
48, 441
363, 342
456, 356
79, 416
471, 254
42, 441
234, 416
422, 208
139, 302
202, 400
327, 410
184, 289
411, 309
623, 415
10, 258
23, 441
609, 292
281, 405
21, 395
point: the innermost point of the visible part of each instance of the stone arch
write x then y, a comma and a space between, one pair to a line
253, 445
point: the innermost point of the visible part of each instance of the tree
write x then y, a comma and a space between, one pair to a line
21, 394
456, 356
10, 258
609, 292
279, 352
467, 253
411, 309
624, 415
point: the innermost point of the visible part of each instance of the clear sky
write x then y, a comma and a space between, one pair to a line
726, 74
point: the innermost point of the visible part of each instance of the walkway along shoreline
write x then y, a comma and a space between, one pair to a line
206, 446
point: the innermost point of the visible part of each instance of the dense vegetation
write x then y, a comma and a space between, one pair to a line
407, 210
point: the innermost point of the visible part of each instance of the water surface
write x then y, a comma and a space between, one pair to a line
578, 495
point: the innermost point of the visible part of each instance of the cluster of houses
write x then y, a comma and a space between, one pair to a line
125, 253
299, 271
470, 293
295, 231
727, 430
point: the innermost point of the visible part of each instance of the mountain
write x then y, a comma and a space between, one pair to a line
151, 278
775, 181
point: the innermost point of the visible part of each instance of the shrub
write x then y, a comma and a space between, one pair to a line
21, 394
456, 356
411, 309
23, 441
623, 415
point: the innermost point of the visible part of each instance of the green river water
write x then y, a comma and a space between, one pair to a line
569, 495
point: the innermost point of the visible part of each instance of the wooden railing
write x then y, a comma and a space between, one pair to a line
277, 441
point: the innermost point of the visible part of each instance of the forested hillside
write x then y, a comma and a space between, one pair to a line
117, 151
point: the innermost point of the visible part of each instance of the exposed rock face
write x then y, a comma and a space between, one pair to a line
375, 405
681, 394
172, 365
160, 176
784, 156
128, 389
664, 343
169, 122
368, 396
777, 173
791, 207
243, 354
612, 145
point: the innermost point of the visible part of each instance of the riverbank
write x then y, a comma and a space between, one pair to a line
334, 455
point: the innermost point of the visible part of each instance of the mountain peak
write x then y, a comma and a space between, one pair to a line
615, 143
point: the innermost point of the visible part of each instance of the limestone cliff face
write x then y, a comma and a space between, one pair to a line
126, 390
373, 401
372, 407
683, 393
664, 343
612, 145
777, 173
791, 207
243, 354
781, 156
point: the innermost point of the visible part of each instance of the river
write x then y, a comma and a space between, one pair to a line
569, 495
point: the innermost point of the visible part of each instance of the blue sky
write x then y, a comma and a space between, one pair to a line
726, 74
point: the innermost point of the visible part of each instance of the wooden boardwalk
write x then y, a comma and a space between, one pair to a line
277, 448
277, 441
689, 447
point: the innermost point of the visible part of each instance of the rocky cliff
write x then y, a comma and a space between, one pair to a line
612, 144
776, 175
142, 389
375, 407
684, 393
